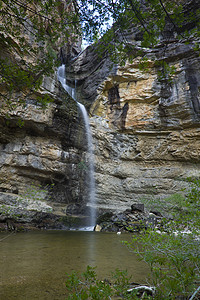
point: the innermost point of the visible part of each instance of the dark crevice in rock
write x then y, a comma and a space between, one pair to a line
113, 96
124, 114
193, 79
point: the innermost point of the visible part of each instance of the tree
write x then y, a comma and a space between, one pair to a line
32, 31
30, 34
154, 21
173, 252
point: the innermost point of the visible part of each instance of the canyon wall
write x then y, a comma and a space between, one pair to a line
41, 158
149, 143
42, 144
145, 123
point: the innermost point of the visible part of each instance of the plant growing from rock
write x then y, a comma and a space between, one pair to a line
37, 28
31, 199
33, 196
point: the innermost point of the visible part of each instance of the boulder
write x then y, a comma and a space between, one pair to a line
137, 207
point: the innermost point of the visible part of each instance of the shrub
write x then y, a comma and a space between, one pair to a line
173, 253
87, 286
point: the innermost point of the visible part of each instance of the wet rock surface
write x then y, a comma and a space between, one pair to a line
17, 219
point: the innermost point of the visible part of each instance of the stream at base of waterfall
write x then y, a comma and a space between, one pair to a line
92, 197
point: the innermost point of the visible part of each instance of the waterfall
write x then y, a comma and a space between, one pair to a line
72, 92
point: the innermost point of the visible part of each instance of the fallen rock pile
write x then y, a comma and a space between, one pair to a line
131, 220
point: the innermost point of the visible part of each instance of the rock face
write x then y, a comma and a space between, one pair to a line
148, 129
43, 166
41, 160
146, 134
131, 220
145, 120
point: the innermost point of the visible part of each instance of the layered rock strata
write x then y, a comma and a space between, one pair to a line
146, 131
43, 148
42, 145
42, 154
145, 123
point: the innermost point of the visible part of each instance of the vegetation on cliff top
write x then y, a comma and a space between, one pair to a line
31, 32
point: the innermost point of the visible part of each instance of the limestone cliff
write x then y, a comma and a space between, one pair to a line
42, 146
148, 131
145, 127
41, 159
145, 121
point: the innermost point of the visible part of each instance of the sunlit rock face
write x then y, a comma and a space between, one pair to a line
146, 128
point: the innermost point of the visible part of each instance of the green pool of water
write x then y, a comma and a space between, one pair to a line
34, 265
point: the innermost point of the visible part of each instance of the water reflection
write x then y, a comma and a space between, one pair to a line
34, 264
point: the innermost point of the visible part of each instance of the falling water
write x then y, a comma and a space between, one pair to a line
72, 92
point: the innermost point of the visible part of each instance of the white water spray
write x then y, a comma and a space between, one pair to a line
72, 92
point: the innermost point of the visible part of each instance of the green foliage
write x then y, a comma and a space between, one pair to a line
31, 33
173, 253
144, 64
167, 206
174, 261
182, 209
82, 165
30, 196
87, 286
121, 283
166, 72
36, 29
20, 123
151, 17
35, 193
44, 100
14, 77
